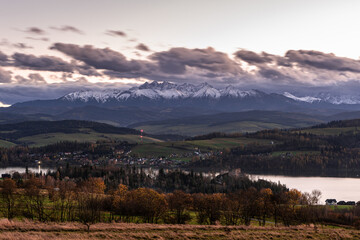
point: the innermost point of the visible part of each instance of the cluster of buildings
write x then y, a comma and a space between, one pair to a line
334, 202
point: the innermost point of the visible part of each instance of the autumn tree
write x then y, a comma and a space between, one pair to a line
119, 200
178, 202
231, 209
63, 198
34, 199
148, 204
208, 207
94, 185
9, 198
249, 204
265, 204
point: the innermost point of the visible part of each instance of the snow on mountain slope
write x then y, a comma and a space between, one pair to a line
302, 99
339, 99
156, 90
87, 95
166, 90
230, 91
206, 91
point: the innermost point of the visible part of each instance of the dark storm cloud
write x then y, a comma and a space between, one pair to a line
35, 30
43, 63
68, 28
99, 58
175, 60
4, 59
322, 60
252, 57
5, 76
33, 78
275, 75
87, 70
116, 33
142, 47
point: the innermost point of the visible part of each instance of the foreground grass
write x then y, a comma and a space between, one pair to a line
33, 230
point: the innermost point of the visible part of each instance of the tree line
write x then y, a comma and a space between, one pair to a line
45, 199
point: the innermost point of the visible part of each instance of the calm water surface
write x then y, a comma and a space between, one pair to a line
22, 169
347, 189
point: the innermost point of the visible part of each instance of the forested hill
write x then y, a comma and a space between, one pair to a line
24, 129
340, 124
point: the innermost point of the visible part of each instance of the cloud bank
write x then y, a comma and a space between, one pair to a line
302, 69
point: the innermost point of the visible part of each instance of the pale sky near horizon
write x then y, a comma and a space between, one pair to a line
178, 35
258, 25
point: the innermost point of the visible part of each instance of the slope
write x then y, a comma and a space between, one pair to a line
249, 121
38, 133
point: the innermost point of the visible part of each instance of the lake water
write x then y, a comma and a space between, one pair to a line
22, 169
347, 189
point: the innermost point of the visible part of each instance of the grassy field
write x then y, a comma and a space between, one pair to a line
331, 131
6, 144
182, 147
34, 230
200, 129
86, 136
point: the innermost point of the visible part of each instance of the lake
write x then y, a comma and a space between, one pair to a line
347, 189
22, 169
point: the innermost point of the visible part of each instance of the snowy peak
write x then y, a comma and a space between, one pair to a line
170, 91
230, 91
307, 99
339, 99
88, 95
206, 91
156, 90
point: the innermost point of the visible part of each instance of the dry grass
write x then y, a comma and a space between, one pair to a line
29, 230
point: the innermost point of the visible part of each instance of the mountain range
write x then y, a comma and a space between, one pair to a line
156, 101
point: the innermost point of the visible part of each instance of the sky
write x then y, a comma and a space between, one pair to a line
50, 48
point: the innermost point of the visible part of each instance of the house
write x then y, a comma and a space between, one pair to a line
330, 201
5, 175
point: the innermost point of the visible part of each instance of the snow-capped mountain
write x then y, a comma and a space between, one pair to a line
155, 90
307, 99
327, 98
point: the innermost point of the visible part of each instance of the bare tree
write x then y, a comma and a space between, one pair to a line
89, 207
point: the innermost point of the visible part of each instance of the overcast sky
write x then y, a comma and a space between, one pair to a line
48, 48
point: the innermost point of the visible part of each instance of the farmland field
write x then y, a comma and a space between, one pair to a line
91, 136
6, 144
182, 147
34, 230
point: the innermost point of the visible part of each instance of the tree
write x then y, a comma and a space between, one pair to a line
266, 207
94, 185
34, 199
208, 207
119, 200
178, 202
89, 207
9, 198
147, 204
63, 198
